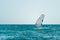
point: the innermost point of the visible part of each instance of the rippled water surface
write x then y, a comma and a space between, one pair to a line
29, 32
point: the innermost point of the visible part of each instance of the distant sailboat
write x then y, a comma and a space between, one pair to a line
39, 21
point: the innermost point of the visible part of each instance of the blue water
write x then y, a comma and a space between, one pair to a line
29, 32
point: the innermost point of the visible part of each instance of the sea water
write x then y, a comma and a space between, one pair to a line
29, 32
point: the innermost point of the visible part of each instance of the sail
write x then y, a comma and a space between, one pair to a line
39, 21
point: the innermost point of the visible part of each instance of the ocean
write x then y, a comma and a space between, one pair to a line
29, 32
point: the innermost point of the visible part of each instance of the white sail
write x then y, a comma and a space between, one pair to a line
39, 21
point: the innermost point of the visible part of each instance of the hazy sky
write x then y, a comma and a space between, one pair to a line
28, 11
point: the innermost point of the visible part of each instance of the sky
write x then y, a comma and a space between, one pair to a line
28, 11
